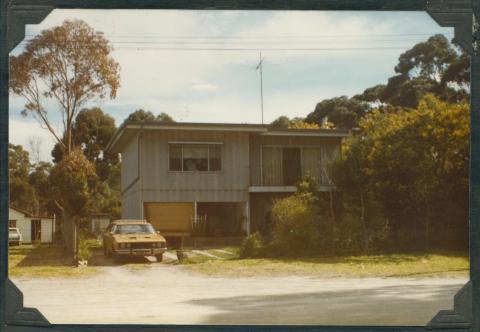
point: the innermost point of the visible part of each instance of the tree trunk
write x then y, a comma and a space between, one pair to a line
69, 231
427, 228
427, 235
69, 140
362, 208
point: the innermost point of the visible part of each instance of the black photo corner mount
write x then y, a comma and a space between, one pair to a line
462, 15
17, 314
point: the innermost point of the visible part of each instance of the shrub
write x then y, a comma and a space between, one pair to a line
84, 252
252, 246
295, 228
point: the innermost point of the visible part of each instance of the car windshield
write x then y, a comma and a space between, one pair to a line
12, 232
134, 229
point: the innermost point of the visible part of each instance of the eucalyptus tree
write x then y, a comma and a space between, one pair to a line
70, 64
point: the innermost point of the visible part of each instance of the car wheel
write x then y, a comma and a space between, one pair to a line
159, 258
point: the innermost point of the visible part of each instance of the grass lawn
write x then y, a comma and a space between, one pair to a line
44, 261
392, 265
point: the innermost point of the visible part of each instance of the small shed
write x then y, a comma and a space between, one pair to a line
33, 228
99, 223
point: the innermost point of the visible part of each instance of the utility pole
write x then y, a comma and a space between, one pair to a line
260, 68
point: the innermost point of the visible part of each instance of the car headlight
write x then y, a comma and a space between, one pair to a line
128, 245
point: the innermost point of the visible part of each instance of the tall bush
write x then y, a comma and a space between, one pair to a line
295, 229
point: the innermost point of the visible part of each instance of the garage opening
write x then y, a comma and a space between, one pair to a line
198, 224
216, 219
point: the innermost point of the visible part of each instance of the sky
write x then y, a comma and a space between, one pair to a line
200, 66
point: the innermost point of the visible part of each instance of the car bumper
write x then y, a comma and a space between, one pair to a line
140, 252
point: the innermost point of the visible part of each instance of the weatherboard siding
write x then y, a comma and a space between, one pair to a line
132, 203
130, 170
159, 184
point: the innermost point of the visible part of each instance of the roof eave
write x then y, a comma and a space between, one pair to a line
309, 133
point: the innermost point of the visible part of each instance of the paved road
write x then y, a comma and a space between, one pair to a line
166, 294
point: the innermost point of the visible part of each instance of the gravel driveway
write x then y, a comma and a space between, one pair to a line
168, 294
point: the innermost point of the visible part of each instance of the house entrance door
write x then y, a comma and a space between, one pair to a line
36, 231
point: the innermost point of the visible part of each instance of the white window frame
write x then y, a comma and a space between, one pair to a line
182, 144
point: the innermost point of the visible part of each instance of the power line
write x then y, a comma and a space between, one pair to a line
143, 36
237, 42
257, 49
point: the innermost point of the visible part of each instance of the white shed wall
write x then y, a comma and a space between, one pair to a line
47, 230
24, 224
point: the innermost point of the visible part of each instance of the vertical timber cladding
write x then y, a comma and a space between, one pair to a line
171, 219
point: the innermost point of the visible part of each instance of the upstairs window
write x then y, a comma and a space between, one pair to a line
195, 157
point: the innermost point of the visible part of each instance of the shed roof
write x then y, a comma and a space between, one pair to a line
130, 128
28, 214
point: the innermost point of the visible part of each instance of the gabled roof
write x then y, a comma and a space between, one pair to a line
129, 129
28, 214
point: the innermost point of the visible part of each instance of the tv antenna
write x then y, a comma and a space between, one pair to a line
260, 69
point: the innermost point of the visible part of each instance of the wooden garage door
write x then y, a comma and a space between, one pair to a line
170, 218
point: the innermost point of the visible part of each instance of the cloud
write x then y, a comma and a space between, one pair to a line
204, 87
161, 72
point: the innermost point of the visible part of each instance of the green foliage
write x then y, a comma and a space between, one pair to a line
434, 66
141, 115
91, 132
39, 179
414, 163
84, 251
85, 74
342, 112
283, 122
105, 200
29, 183
295, 230
252, 246
22, 193
72, 180
428, 59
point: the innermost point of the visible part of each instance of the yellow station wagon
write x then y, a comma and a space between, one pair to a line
133, 238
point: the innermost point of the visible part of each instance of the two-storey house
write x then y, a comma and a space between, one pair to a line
213, 179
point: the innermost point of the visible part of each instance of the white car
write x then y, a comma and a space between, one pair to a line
14, 236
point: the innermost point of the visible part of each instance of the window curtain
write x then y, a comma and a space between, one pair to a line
312, 163
272, 166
